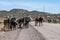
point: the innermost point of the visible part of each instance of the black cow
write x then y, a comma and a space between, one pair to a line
7, 23
10, 23
25, 21
13, 23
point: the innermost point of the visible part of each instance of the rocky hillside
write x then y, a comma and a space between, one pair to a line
21, 13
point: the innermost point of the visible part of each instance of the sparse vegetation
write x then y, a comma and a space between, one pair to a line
21, 13
0, 22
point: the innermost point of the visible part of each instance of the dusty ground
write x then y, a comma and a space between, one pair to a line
1, 24
50, 30
1, 27
18, 34
22, 34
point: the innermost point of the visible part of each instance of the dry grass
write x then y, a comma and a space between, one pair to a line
1, 23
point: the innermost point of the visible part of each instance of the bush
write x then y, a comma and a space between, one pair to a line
0, 22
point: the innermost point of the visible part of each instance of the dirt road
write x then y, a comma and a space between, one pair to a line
22, 34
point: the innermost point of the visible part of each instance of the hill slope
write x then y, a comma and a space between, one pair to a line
21, 13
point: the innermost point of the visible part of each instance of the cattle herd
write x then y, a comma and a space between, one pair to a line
11, 23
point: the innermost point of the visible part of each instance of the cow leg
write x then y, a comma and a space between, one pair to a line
20, 25
39, 23
11, 27
27, 25
14, 27
36, 23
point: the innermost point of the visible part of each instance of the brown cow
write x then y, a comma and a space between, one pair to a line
38, 20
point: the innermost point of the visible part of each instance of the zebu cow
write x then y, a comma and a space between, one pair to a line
10, 23
24, 21
13, 23
38, 20
19, 22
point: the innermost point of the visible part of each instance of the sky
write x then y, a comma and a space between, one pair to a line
51, 6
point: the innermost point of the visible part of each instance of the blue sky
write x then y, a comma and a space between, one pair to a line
51, 6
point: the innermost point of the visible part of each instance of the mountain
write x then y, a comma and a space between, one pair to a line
21, 13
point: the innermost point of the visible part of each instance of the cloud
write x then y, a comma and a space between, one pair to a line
49, 7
